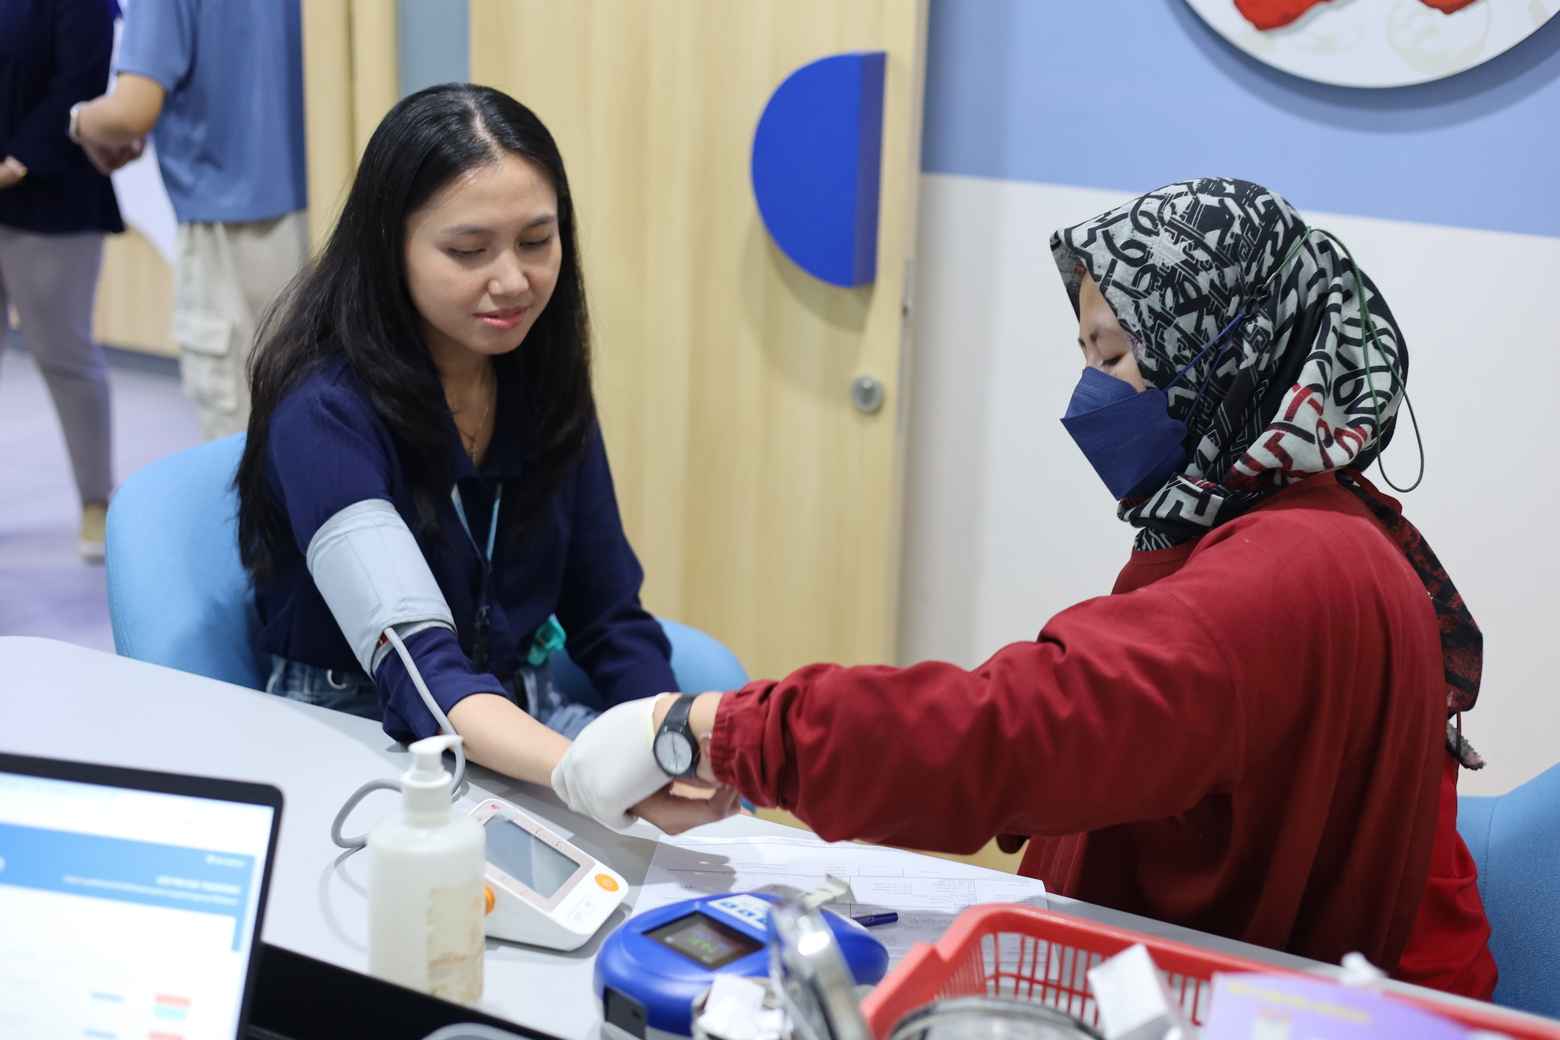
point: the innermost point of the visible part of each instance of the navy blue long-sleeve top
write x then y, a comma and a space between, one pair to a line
328, 449
53, 53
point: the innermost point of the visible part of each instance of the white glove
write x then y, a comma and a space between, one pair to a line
611, 767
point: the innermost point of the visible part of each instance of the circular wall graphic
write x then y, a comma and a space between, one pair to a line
1374, 43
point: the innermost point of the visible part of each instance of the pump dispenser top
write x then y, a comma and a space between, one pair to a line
426, 786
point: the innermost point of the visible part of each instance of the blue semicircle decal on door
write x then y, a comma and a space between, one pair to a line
816, 155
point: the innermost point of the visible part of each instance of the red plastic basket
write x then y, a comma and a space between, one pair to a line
1038, 955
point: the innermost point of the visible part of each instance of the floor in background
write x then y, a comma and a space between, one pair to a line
45, 587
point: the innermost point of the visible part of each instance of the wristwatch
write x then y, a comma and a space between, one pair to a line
73, 127
676, 748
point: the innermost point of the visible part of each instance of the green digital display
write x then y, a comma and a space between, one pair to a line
705, 941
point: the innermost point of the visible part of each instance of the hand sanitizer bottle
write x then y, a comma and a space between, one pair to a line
425, 896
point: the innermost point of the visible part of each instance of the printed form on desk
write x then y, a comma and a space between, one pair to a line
927, 893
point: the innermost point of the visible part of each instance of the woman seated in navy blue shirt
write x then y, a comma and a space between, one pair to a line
423, 456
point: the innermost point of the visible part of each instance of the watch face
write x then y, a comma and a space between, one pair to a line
673, 752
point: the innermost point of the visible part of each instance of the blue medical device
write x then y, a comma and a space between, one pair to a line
650, 970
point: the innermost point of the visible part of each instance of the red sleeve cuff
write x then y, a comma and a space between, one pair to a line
736, 745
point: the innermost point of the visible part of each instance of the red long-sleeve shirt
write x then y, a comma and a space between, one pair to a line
1246, 737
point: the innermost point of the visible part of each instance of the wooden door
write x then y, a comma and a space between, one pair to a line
764, 505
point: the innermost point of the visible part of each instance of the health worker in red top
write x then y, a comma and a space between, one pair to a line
1258, 732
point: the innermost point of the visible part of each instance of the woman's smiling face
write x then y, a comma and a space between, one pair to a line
482, 258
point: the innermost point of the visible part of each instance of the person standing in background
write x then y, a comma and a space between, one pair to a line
219, 86
54, 210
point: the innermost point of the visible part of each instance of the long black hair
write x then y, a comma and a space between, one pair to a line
352, 303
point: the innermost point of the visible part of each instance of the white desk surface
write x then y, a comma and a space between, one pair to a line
62, 701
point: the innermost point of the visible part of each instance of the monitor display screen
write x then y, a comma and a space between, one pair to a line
705, 940
526, 858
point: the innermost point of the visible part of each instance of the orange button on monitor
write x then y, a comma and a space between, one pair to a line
607, 881
487, 896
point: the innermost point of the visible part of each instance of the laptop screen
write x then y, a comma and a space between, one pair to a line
129, 910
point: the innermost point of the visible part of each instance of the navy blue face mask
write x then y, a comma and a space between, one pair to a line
1127, 436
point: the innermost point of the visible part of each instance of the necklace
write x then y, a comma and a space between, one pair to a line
475, 437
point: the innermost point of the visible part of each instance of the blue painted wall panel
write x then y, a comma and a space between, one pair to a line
1131, 94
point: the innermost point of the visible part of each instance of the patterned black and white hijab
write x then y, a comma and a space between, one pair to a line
1297, 388
1293, 389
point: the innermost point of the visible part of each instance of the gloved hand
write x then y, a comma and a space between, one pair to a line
611, 767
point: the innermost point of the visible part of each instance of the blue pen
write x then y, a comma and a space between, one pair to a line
874, 920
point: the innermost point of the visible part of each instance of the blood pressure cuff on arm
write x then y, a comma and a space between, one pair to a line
373, 576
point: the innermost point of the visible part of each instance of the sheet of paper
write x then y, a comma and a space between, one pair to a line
927, 893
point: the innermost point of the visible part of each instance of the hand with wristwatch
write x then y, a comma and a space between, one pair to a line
654, 747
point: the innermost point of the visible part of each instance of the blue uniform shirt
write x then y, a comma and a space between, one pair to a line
329, 449
230, 137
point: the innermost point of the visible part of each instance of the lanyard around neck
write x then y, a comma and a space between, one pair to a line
479, 642
460, 512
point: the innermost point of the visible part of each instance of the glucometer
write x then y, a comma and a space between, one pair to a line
651, 969
542, 890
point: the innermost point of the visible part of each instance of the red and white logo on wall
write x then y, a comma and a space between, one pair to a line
1374, 43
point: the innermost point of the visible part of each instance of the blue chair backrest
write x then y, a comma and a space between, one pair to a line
1515, 839
177, 594
700, 662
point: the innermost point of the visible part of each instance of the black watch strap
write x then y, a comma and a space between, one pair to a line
676, 721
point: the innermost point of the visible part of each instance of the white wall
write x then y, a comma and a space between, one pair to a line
1006, 523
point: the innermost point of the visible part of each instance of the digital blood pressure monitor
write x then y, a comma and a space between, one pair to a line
543, 890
